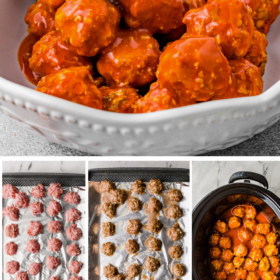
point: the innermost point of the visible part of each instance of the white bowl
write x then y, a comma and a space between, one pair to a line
183, 131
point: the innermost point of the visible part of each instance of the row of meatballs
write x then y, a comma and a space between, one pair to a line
54, 208
134, 226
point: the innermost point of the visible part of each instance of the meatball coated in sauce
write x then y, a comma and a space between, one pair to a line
73, 215
11, 231
34, 228
54, 3
131, 60
133, 270
153, 244
264, 264
179, 270
54, 208
229, 268
238, 262
133, 226
138, 187
12, 212
151, 264
54, 226
36, 208
256, 254
175, 233
214, 239
12, 267
269, 275
220, 275
215, 253
239, 211
54, 244
38, 191
173, 212
11, 248
234, 222
245, 235
73, 84
251, 212
241, 273
118, 277
80, 22
155, 186
21, 200
106, 186
73, 250
134, 204
221, 227
131, 246
259, 241
225, 242
118, 196
154, 226
253, 276
240, 250
227, 255
110, 271
34, 268
263, 228
73, 233
108, 249
55, 190
274, 261
52, 262
251, 224
154, 205
271, 250
175, 251
174, 195
250, 265
109, 209
72, 198
75, 267
217, 265
271, 238
108, 229
9, 191
33, 246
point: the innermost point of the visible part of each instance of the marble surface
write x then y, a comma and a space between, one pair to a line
209, 175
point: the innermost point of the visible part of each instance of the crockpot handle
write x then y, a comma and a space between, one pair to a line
246, 175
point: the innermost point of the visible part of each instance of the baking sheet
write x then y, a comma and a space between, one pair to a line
24, 257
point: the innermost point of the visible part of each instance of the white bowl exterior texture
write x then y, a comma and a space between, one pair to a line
189, 130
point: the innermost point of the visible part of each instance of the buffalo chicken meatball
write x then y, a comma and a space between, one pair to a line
173, 212
75, 267
263, 228
245, 234
238, 262
106, 186
250, 265
251, 212
179, 270
73, 250
12, 267
36, 208
131, 246
138, 187
133, 226
82, 25
153, 244
134, 204
73, 233
11, 230
217, 265
34, 268
234, 222
229, 268
38, 191
259, 241
34, 228
154, 205
175, 233
21, 200
55, 190
54, 244
220, 275
12, 212
108, 229
154, 226
239, 211
52, 262
240, 250
274, 261
214, 239
264, 264
225, 242
11, 248
109, 209
271, 250
73, 215
241, 273
227, 255
118, 196
72, 198
110, 271
54, 3
33, 246
151, 264
108, 248
9, 191
174, 195
175, 251
269, 275
54, 208
271, 238
155, 186
251, 224
256, 254
133, 270
54, 226
253, 276
221, 227
215, 253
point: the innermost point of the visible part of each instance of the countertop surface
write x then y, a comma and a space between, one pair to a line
16, 141
210, 175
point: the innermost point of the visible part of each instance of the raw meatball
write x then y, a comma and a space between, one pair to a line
72, 198
179, 269
175, 251
264, 264
55, 190
74, 277
250, 265
131, 246
12, 212
245, 234
53, 208
221, 227
138, 187
38, 191
174, 195
274, 261
82, 26
134, 204
175, 233
22, 275
73, 233
118, 277
271, 238
54, 226
108, 229
217, 265
155, 186
34, 268
153, 243
154, 205
73, 215
133, 226
73, 250
12, 267
33, 246
214, 239
215, 253
256, 254
151, 264
154, 226
11, 230
109, 210
133, 270
21, 200
263, 228
269, 275
229, 268
220, 275
238, 262
251, 212
225, 242
251, 224
271, 250
34, 228
110, 271
106, 186
36, 208
108, 249
227, 255
253, 276
52, 263
54, 244
118, 196
173, 212
240, 250
234, 222
258, 241
239, 211
9, 191
241, 273
75, 267
11, 248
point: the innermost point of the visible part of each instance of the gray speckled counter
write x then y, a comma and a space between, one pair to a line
16, 141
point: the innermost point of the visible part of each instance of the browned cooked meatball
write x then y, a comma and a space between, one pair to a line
108, 229
133, 226
253, 276
271, 238
245, 234
173, 212
110, 271
154, 205
229, 268
217, 265
239, 211
154, 226
269, 275
221, 227
214, 239
155, 186
118, 196
151, 264
220, 275
108, 249
153, 244
109, 210
240, 250
106, 186
175, 232
274, 261
225, 242
264, 264
133, 270
256, 254
138, 187
258, 241
271, 250
215, 253
251, 224
241, 273
250, 265
175, 251
263, 228
251, 212
131, 246
238, 262
118, 277
234, 222
134, 204
174, 195
179, 270
227, 255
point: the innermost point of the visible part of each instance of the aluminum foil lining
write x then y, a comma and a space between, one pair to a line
121, 259
24, 257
